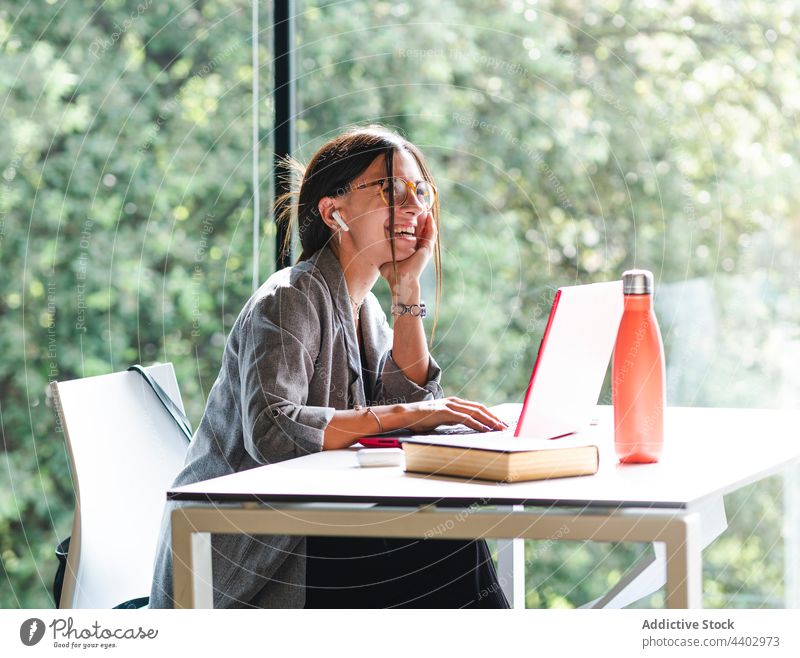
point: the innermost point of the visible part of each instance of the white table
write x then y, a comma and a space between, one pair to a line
676, 503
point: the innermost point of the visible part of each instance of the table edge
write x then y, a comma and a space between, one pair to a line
419, 500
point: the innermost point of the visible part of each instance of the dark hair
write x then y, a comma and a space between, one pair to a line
332, 169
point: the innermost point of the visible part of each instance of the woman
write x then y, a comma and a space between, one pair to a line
311, 364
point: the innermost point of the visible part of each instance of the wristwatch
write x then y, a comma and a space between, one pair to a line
412, 309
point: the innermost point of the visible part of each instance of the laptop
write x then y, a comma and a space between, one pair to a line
568, 373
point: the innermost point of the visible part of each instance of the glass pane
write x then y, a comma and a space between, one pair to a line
125, 230
569, 142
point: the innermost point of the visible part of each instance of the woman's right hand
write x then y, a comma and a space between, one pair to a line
426, 415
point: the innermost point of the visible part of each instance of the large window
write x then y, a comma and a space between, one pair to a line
125, 230
570, 141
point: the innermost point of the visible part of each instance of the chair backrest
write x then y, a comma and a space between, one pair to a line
125, 451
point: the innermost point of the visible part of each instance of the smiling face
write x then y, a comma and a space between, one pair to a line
368, 216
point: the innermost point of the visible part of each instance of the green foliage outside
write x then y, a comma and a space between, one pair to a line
570, 141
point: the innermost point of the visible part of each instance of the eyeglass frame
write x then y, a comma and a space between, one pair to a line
410, 185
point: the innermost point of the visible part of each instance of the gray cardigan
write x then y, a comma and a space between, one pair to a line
291, 360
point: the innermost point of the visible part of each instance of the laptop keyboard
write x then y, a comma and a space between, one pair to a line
463, 429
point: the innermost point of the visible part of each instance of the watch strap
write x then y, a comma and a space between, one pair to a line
412, 309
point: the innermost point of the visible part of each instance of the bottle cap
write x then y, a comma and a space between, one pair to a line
637, 282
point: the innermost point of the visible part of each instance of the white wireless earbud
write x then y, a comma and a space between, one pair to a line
335, 214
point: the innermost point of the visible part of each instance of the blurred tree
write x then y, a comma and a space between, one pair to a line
126, 174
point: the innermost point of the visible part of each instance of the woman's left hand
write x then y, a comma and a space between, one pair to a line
410, 269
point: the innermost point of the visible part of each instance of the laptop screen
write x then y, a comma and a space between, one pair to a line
572, 361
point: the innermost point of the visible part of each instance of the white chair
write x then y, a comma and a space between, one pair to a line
125, 451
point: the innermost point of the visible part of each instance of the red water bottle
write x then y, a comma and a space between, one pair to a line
638, 377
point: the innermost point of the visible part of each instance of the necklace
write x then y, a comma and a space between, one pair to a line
356, 304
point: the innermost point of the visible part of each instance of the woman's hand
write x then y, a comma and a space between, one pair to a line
451, 410
410, 269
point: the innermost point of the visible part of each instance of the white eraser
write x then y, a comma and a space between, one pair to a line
380, 456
